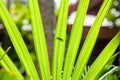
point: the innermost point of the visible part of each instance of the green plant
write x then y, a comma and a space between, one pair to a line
97, 69
113, 14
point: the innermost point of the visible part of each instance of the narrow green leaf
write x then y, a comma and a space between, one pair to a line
90, 41
18, 42
39, 39
8, 65
109, 72
75, 38
4, 53
111, 60
103, 58
108, 64
59, 41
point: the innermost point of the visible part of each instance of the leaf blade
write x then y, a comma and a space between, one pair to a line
18, 42
75, 38
39, 39
103, 58
90, 41
59, 41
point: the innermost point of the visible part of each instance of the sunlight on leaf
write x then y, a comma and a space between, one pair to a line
39, 39
90, 40
59, 41
75, 38
18, 42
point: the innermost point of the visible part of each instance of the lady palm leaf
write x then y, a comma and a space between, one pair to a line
18, 43
75, 38
97, 67
39, 39
59, 41
101, 64
90, 41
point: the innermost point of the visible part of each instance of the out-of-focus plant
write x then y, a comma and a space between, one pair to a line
114, 13
20, 13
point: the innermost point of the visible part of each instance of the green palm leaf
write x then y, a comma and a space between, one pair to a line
75, 38
18, 42
39, 39
90, 41
97, 67
59, 41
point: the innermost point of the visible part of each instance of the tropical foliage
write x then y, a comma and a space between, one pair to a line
63, 67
